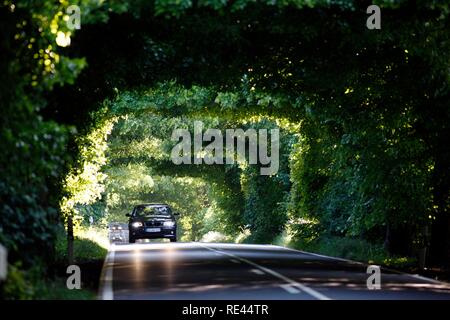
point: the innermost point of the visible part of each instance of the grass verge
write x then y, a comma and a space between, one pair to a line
48, 282
352, 249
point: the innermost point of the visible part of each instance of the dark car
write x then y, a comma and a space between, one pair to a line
152, 221
117, 232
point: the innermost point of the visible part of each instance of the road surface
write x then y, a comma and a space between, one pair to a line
213, 271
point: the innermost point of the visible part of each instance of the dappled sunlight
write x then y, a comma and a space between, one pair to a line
166, 247
138, 264
313, 131
97, 235
174, 271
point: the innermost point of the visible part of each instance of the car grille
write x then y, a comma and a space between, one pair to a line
153, 223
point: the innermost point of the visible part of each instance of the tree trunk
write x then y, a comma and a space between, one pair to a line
70, 240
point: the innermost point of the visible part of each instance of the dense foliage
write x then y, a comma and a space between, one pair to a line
365, 114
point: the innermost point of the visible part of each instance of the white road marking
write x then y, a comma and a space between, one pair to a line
320, 255
106, 290
289, 281
257, 271
289, 288
416, 276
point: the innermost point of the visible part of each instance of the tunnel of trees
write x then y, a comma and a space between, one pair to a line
363, 115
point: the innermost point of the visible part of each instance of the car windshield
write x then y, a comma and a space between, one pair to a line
152, 211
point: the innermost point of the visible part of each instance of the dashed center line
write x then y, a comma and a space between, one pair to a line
291, 286
257, 271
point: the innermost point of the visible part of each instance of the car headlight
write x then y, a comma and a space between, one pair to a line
136, 224
169, 224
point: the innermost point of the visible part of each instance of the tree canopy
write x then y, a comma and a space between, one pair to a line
364, 116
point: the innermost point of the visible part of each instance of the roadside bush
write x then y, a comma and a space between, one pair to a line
356, 250
347, 248
214, 236
84, 249
17, 285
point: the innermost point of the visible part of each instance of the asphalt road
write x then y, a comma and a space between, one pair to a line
238, 272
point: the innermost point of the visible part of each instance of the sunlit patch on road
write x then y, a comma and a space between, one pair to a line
232, 271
